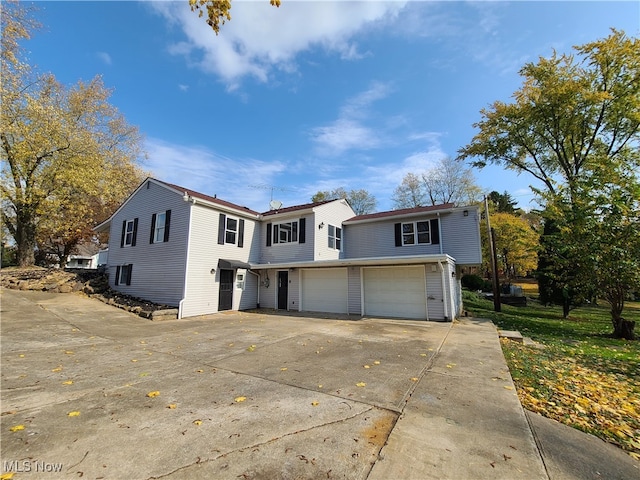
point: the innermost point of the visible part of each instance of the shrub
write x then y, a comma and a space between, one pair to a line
472, 282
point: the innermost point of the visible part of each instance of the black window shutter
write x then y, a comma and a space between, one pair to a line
221, 228
269, 234
435, 231
153, 227
124, 232
398, 227
129, 270
241, 233
301, 233
117, 282
135, 232
167, 224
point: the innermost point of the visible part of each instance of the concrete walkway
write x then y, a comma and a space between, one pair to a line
261, 395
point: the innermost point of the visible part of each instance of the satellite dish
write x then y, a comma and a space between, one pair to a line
275, 204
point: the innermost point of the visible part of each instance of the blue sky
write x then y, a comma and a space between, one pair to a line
313, 95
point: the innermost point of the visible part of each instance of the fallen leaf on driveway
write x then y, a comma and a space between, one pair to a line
451, 365
315, 404
366, 366
17, 428
240, 399
361, 384
153, 394
508, 387
414, 379
172, 406
283, 369
68, 352
251, 348
197, 422
73, 414
68, 382
377, 362
6, 476
57, 369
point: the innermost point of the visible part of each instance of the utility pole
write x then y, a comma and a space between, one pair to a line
494, 260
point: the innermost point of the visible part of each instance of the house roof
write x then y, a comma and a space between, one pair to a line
296, 208
207, 198
404, 212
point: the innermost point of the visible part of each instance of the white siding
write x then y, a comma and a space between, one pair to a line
333, 213
158, 268
202, 287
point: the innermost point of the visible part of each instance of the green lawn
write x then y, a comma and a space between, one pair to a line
578, 374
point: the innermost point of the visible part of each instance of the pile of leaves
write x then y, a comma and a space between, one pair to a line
577, 374
603, 400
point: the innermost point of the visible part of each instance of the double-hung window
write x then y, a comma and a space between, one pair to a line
123, 274
129, 233
160, 223
285, 232
335, 237
230, 231
416, 233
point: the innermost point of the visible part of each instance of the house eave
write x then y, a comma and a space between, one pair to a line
356, 262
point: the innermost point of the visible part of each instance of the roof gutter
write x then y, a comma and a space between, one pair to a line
355, 262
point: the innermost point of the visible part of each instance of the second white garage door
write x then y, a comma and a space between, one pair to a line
395, 292
324, 290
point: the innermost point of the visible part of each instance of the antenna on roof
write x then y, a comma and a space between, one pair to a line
275, 204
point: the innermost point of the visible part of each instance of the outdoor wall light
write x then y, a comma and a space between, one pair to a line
453, 274
465, 213
321, 226
213, 271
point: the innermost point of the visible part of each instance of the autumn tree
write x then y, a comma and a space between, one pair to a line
68, 156
516, 242
448, 181
361, 201
217, 11
575, 115
410, 193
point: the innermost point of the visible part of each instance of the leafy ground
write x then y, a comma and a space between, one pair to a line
578, 374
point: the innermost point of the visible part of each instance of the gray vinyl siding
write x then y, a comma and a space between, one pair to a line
354, 281
287, 252
294, 290
377, 239
158, 268
435, 302
202, 287
462, 236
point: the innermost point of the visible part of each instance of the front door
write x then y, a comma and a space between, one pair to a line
283, 290
225, 298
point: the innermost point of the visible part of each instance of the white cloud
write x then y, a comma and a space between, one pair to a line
183, 88
201, 169
261, 38
348, 131
105, 57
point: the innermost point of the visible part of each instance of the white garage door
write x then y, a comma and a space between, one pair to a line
324, 290
395, 292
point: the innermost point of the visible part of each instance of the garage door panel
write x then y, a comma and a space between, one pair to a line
325, 290
395, 292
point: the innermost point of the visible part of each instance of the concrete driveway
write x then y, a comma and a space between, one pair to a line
101, 393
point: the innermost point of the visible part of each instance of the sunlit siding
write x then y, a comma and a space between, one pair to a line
158, 268
287, 252
355, 290
202, 286
462, 236
334, 214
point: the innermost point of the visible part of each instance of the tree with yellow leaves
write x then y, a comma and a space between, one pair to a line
68, 156
218, 11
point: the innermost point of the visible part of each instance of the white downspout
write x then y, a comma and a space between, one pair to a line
186, 198
257, 275
444, 292
440, 232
